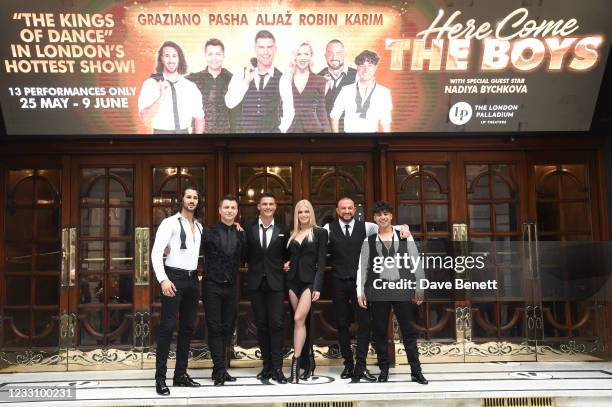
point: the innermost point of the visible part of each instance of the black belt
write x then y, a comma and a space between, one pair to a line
178, 272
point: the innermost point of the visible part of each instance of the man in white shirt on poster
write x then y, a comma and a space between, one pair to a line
366, 104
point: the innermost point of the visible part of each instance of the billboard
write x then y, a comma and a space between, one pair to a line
85, 67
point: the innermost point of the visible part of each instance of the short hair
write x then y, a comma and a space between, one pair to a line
344, 198
228, 197
334, 41
214, 42
382, 206
198, 210
182, 65
267, 195
264, 34
367, 56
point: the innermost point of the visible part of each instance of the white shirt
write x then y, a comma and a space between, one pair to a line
362, 270
169, 232
189, 103
237, 89
335, 80
268, 232
371, 228
379, 110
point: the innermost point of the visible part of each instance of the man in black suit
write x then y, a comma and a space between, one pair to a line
223, 247
338, 74
267, 243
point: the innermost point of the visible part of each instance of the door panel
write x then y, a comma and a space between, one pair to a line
30, 273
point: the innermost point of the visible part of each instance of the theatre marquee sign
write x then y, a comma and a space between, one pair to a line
300, 67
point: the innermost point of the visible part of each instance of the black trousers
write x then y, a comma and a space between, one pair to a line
344, 297
268, 308
405, 312
219, 311
181, 308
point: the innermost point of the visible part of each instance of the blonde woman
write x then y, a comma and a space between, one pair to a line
307, 248
308, 91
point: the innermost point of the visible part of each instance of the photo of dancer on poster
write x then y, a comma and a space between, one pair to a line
365, 103
168, 102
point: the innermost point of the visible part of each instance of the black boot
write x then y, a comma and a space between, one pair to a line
310, 368
295, 371
383, 376
347, 373
278, 376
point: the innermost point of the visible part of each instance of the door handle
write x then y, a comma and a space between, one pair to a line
142, 256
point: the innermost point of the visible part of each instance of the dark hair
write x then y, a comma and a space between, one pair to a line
367, 56
182, 66
344, 198
266, 195
214, 42
264, 34
198, 210
228, 197
334, 41
382, 206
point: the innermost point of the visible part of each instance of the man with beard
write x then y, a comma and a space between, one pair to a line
267, 242
346, 236
213, 82
168, 102
223, 247
181, 232
256, 92
337, 73
366, 104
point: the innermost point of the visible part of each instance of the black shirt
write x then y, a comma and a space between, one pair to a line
217, 114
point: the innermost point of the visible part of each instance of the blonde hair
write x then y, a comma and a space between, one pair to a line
312, 223
294, 53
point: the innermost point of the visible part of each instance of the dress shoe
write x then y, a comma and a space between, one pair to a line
364, 374
419, 378
383, 376
161, 388
278, 376
265, 374
184, 381
228, 378
347, 373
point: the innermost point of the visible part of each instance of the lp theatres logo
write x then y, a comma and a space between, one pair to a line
460, 113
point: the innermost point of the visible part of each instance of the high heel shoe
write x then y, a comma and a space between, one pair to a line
295, 371
310, 369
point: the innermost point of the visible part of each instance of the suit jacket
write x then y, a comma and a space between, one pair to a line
267, 261
308, 259
218, 265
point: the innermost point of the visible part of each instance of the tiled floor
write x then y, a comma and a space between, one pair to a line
450, 384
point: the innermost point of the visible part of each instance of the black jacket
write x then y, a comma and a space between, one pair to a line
267, 261
218, 265
308, 259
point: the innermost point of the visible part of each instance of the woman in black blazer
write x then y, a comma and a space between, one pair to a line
307, 248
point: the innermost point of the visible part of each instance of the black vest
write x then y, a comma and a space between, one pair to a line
345, 252
401, 249
261, 109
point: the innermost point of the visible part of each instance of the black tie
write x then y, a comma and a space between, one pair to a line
346, 231
264, 238
177, 123
261, 81
183, 235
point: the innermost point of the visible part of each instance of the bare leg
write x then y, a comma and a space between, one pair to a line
299, 322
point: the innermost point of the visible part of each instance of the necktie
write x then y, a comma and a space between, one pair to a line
177, 123
264, 237
346, 231
362, 110
338, 80
261, 81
